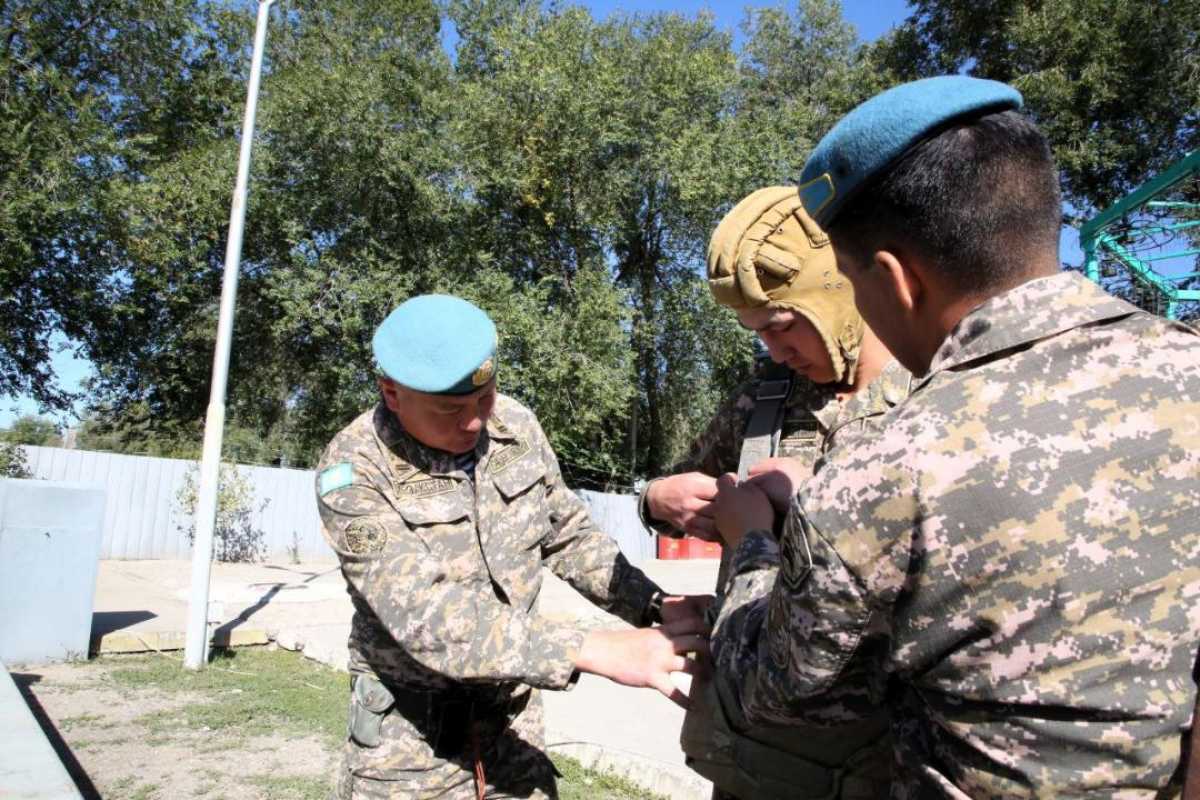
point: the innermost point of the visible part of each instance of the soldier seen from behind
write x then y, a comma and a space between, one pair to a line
1014, 557
443, 504
774, 267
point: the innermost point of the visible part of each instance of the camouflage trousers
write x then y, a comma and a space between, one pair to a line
406, 765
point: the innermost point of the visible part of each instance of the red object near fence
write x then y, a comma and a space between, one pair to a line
687, 547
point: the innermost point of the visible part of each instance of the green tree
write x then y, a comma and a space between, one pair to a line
87, 88
342, 221
1115, 84
597, 148
235, 539
29, 429
563, 172
12, 461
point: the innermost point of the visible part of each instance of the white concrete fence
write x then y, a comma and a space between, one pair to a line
143, 518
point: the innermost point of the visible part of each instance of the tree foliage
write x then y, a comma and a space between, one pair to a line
562, 171
1115, 84
13, 463
30, 429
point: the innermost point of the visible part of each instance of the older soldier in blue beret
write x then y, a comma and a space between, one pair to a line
1015, 556
443, 504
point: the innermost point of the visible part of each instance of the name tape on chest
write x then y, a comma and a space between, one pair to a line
430, 487
508, 456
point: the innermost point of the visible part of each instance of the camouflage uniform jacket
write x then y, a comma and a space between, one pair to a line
444, 569
1017, 552
813, 420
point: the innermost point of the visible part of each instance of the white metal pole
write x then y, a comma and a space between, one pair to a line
196, 654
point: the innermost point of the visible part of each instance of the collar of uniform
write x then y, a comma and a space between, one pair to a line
1035, 310
887, 390
893, 383
432, 462
501, 424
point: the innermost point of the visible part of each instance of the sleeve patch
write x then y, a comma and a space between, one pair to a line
336, 477
366, 535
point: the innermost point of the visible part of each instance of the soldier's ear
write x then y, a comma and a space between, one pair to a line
391, 392
901, 280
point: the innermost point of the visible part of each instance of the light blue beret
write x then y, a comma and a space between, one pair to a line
438, 344
876, 133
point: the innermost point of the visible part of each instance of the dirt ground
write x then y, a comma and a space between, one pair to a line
254, 725
126, 742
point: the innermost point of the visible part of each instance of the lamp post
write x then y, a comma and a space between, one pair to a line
196, 652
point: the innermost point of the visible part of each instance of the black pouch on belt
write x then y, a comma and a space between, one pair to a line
455, 712
454, 718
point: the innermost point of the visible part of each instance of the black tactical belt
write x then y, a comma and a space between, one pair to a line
444, 716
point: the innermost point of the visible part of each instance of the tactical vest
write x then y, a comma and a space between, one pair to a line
846, 762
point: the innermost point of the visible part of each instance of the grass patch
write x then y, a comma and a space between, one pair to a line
70, 723
248, 693
292, 788
128, 788
147, 791
580, 783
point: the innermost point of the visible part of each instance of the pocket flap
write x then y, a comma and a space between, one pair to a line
515, 469
431, 501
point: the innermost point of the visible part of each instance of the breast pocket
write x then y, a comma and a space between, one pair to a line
521, 516
443, 520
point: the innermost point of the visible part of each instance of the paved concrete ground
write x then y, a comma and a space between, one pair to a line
142, 605
30, 769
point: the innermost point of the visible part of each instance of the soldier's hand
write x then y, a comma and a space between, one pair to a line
684, 502
686, 607
779, 478
645, 657
741, 508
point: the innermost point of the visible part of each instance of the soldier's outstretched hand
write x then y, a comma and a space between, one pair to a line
646, 657
684, 502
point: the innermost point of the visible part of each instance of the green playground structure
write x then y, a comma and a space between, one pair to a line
1145, 247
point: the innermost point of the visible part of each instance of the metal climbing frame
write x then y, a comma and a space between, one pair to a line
1143, 231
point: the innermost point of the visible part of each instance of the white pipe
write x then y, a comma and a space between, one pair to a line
196, 654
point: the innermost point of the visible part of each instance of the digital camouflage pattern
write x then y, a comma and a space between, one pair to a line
814, 420
1016, 553
849, 756
444, 571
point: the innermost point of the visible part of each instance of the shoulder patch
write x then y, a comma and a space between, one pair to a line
336, 477
366, 535
796, 559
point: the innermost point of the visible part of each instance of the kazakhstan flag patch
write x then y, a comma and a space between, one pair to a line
336, 477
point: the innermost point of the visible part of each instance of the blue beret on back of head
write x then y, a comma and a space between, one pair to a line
878, 132
438, 344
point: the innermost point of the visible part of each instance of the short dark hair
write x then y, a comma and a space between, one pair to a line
979, 201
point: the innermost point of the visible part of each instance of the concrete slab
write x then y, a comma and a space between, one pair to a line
29, 767
142, 605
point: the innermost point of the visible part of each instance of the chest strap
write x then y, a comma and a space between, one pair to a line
760, 440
